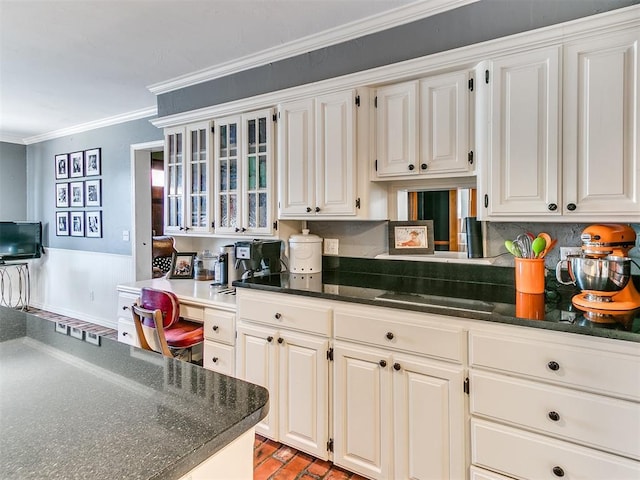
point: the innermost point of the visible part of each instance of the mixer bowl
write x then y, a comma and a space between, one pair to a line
608, 274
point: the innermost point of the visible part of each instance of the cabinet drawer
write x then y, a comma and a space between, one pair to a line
219, 326
191, 312
287, 311
127, 332
594, 420
411, 332
125, 300
528, 455
480, 474
218, 357
592, 364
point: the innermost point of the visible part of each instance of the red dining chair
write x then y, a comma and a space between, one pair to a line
156, 316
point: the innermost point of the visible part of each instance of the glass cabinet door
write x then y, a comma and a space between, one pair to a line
174, 179
257, 159
227, 175
198, 195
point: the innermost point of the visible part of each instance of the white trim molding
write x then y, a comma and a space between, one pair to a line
382, 21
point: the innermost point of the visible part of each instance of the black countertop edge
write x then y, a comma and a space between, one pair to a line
368, 296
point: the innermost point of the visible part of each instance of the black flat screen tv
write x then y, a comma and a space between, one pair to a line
20, 241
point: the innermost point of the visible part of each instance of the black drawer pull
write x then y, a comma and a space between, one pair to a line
214, 359
382, 363
280, 340
308, 209
411, 167
553, 366
558, 471
397, 366
552, 207
215, 328
269, 339
278, 316
555, 416
390, 335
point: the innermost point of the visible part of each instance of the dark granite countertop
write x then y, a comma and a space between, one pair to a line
70, 409
479, 293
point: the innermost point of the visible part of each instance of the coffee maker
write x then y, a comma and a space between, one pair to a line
256, 258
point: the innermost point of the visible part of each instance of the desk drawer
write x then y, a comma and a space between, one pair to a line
218, 357
527, 455
594, 420
125, 300
127, 332
286, 311
411, 332
219, 326
589, 363
192, 312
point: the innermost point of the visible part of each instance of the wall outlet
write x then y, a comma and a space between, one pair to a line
331, 246
564, 251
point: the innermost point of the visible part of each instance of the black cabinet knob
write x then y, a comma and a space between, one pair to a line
552, 207
390, 335
397, 366
558, 471
571, 207
555, 416
411, 167
214, 359
237, 229
423, 166
280, 340
215, 328
553, 366
308, 209
382, 363
317, 209
124, 334
278, 316
269, 339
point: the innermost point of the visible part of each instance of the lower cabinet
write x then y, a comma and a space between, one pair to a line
397, 415
126, 328
219, 341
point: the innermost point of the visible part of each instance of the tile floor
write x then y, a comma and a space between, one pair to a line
271, 460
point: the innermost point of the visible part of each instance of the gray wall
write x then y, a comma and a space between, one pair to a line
115, 142
13, 182
463, 26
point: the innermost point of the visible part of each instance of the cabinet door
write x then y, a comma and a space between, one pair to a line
198, 192
397, 129
444, 124
296, 162
174, 179
256, 362
228, 174
257, 172
523, 167
362, 410
335, 157
303, 395
429, 418
601, 131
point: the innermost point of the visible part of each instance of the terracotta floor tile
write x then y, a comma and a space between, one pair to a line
308, 477
266, 469
262, 452
285, 453
319, 467
357, 477
337, 474
292, 469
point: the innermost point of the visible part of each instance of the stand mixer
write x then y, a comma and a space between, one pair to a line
603, 270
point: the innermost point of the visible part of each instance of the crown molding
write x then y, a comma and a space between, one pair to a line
382, 21
105, 122
10, 138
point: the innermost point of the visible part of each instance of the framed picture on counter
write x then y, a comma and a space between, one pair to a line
182, 265
412, 237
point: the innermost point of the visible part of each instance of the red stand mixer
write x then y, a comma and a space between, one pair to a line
603, 270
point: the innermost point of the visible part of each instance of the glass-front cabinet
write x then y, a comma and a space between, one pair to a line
188, 179
243, 159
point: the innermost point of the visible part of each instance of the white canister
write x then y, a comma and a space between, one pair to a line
305, 253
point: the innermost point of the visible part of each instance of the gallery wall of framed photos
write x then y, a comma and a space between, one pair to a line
79, 194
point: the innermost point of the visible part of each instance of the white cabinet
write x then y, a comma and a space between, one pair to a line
126, 328
556, 147
397, 415
187, 160
424, 128
243, 158
283, 345
219, 341
317, 153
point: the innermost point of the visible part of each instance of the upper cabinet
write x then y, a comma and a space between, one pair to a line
188, 179
562, 137
243, 162
424, 128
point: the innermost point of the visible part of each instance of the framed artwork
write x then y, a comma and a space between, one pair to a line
182, 265
411, 237
62, 195
62, 166
92, 193
76, 164
94, 224
62, 224
92, 162
77, 224
76, 194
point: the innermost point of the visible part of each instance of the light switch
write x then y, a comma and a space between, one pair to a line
125, 235
331, 246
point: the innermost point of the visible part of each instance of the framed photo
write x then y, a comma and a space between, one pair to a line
62, 195
62, 224
76, 164
76, 194
92, 162
411, 237
62, 166
76, 224
92, 193
182, 265
94, 224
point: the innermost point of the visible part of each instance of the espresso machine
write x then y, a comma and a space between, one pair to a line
603, 270
256, 258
